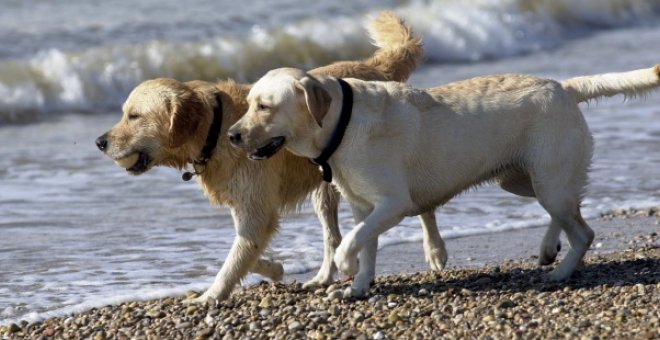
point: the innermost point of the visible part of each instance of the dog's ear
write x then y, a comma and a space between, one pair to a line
187, 110
318, 99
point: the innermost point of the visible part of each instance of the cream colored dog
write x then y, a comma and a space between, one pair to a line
406, 151
167, 123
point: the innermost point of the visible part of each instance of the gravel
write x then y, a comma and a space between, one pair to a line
615, 295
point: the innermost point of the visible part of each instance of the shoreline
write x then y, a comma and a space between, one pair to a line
491, 286
615, 231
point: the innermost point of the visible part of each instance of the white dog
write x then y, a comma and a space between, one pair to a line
406, 151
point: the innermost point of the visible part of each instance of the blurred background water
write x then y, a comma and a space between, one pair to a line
77, 232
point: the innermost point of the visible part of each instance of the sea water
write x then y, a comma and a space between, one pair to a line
78, 232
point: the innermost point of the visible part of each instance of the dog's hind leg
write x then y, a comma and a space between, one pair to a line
550, 246
325, 200
518, 182
580, 236
559, 177
564, 209
270, 269
434, 246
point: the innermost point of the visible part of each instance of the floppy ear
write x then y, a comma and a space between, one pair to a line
187, 112
318, 99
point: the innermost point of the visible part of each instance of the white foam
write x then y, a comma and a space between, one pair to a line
53, 80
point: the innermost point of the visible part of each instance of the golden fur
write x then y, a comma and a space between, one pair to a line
167, 121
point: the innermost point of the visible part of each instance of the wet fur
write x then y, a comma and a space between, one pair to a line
175, 118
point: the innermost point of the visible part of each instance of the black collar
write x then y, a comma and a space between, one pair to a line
338, 133
211, 142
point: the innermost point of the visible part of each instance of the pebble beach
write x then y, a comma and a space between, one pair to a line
615, 295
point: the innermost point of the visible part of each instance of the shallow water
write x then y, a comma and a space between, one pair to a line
79, 232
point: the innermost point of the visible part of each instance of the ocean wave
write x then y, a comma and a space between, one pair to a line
99, 78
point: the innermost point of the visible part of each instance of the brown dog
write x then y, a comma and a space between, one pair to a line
166, 123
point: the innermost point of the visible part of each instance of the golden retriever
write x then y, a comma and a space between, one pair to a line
407, 150
170, 123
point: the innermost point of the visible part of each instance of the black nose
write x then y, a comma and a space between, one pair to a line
102, 142
235, 137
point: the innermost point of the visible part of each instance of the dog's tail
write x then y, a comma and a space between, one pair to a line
631, 83
399, 50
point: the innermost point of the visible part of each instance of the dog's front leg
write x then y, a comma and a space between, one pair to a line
326, 202
367, 272
387, 213
254, 228
365, 276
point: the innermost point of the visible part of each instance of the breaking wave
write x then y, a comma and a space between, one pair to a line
99, 78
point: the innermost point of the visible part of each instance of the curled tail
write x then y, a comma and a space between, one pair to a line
399, 50
631, 83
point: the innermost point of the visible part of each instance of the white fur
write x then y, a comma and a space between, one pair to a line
407, 151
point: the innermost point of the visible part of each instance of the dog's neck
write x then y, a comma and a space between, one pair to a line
337, 133
199, 164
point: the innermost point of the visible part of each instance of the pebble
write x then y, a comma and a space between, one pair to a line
484, 280
204, 333
209, 320
641, 289
183, 325
13, 328
615, 296
68, 321
376, 298
506, 304
295, 326
266, 302
335, 295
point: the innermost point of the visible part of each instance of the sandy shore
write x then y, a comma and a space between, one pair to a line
491, 288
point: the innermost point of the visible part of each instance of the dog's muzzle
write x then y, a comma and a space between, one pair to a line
268, 150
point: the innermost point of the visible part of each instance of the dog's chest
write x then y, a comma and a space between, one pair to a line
353, 193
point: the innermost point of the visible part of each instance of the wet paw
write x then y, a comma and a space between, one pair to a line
437, 258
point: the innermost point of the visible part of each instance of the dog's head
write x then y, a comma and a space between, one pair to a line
160, 117
284, 105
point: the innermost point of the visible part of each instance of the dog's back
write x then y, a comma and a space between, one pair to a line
458, 135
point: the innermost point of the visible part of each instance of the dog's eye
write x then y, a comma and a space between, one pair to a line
261, 107
133, 116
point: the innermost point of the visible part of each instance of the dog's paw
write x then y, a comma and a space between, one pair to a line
276, 272
437, 258
196, 301
347, 264
549, 254
318, 281
208, 296
355, 292
563, 272
557, 276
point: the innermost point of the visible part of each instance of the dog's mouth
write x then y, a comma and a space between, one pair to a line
268, 150
135, 163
